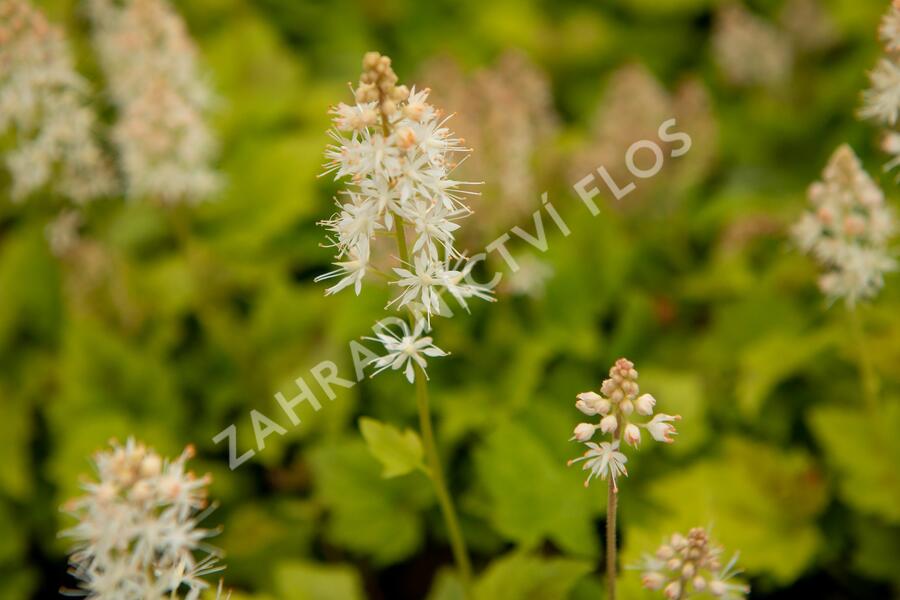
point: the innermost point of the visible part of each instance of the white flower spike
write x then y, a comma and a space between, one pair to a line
847, 230
137, 536
397, 156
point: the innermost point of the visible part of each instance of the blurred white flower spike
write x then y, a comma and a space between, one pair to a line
691, 566
881, 101
398, 156
617, 404
44, 105
150, 63
847, 230
137, 536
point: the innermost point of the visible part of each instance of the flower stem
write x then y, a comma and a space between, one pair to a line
611, 505
866, 368
436, 473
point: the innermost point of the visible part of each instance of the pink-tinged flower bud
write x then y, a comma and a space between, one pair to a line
603, 406
588, 402
661, 429
673, 590
644, 404
688, 570
586, 407
632, 435
627, 407
678, 541
583, 432
608, 424
653, 580
674, 564
699, 583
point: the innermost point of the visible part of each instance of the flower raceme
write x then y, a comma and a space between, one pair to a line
688, 566
137, 536
44, 105
847, 230
617, 405
398, 156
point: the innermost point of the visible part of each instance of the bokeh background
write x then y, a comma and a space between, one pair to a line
170, 324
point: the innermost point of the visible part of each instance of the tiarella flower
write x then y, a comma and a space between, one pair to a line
618, 402
687, 567
661, 428
603, 460
881, 101
351, 271
847, 230
397, 155
150, 64
749, 50
137, 536
43, 104
404, 349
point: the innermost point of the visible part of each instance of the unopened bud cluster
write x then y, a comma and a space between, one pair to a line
137, 536
618, 406
378, 83
688, 566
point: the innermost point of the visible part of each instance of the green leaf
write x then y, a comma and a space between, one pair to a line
398, 452
520, 576
300, 580
369, 515
865, 454
773, 359
760, 500
532, 496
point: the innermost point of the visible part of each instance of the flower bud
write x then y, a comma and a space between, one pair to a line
632, 435
699, 583
717, 588
644, 404
608, 424
627, 407
673, 590
583, 432
688, 570
653, 580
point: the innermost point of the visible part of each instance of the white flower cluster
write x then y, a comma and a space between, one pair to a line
137, 534
150, 64
43, 101
685, 567
847, 229
616, 405
398, 156
881, 101
749, 50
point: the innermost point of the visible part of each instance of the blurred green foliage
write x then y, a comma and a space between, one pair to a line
171, 338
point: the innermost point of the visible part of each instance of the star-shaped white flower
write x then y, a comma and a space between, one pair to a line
604, 460
404, 349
